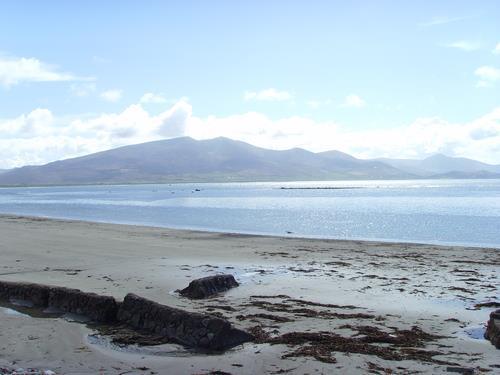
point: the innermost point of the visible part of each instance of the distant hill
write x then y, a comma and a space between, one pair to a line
360, 167
186, 159
223, 159
440, 164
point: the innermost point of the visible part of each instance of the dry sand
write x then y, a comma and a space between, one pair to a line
393, 287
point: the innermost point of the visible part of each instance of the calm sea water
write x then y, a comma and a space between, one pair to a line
463, 212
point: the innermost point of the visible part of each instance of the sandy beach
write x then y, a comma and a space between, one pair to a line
416, 305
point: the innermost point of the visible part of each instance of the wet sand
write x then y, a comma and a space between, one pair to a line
403, 308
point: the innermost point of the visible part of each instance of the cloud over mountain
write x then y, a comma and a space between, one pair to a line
41, 136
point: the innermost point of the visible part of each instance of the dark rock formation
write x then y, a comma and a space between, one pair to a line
36, 294
493, 329
209, 286
99, 308
187, 328
96, 307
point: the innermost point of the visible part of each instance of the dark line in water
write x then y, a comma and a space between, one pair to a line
323, 188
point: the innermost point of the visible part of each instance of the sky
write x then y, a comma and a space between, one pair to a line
371, 78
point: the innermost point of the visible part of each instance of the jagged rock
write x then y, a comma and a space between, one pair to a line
209, 286
493, 329
96, 307
187, 328
36, 294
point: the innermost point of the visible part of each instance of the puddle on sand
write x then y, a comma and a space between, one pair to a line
12, 312
77, 318
96, 340
26, 309
475, 332
164, 350
23, 310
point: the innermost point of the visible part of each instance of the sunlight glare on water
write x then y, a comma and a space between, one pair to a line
463, 212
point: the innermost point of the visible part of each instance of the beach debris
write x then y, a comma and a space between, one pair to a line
398, 345
122, 335
184, 327
494, 304
209, 286
493, 329
274, 318
414, 337
297, 308
461, 370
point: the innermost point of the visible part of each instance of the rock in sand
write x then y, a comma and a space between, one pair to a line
209, 286
493, 329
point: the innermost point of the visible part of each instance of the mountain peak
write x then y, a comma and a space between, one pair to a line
187, 159
222, 159
440, 156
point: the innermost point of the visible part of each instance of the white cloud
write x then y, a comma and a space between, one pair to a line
464, 45
268, 95
111, 95
496, 50
18, 70
488, 75
36, 123
172, 123
40, 137
149, 97
353, 101
478, 139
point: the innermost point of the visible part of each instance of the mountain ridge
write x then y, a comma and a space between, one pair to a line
222, 159
439, 164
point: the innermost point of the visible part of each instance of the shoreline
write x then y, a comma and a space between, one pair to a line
444, 245
285, 180
289, 288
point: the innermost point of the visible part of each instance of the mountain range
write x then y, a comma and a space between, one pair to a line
222, 160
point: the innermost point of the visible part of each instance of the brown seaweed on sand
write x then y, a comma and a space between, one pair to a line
307, 312
404, 344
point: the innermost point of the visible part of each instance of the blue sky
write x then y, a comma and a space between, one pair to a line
315, 74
